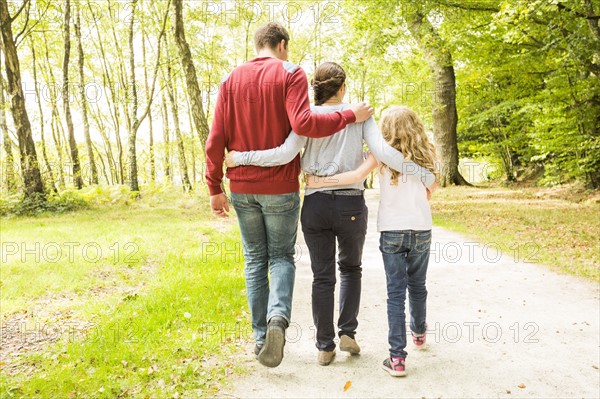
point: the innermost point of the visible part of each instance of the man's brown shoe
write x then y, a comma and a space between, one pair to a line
326, 357
348, 344
271, 353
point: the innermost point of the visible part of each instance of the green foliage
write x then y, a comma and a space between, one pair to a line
108, 195
528, 74
530, 88
91, 197
37, 204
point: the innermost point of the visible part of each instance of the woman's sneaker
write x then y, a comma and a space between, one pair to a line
419, 339
395, 366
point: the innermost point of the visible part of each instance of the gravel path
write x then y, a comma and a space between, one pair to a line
497, 329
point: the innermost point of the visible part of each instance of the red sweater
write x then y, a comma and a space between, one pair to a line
258, 105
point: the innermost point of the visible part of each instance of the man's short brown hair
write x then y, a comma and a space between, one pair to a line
270, 35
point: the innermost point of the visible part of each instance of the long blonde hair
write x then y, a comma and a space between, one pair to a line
402, 128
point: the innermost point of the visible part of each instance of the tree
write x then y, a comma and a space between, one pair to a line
532, 78
55, 122
77, 180
385, 27
150, 124
189, 69
83, 99
166, 139
113, 103
132, 157
135, 120
42, 124
9, 161
445, 116
32, 180
172, 94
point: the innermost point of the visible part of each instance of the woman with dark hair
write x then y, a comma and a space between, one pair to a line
337, 212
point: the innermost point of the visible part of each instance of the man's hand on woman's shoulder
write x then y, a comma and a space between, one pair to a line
362, 111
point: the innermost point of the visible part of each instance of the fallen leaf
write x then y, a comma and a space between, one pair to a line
521, 386
347, 385
594, 366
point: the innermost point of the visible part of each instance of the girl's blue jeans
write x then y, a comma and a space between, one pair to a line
405, 258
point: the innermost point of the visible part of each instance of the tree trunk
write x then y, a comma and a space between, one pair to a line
103, 165
209, 84
32, 179
42, 125
83, 99
133, 124
165, 121
193, 153
55, 117
445, 117
123, 99
114, 107
10, 161
150, 130
185, 180
54, 127
193, 88
77, 180
98, 118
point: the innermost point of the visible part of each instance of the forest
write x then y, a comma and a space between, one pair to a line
118, 281
105, 92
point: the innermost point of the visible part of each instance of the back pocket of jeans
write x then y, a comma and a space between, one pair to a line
282, 203
422, 241
352, 216
391, 244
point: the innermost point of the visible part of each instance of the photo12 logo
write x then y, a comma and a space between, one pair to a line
288, 12
491, 252
71, 252
491, 332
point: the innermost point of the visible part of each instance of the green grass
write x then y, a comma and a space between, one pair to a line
161, 312
533, 225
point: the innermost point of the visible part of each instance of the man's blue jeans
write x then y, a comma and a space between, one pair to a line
269, 225
405, 259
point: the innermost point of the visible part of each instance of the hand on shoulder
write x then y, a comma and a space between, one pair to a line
362, 111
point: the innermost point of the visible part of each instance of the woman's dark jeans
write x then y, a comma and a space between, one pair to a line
325, 218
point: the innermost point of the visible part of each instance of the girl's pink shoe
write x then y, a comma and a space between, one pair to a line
395, 366
419, 339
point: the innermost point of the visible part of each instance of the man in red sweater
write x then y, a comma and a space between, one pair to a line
259, 103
